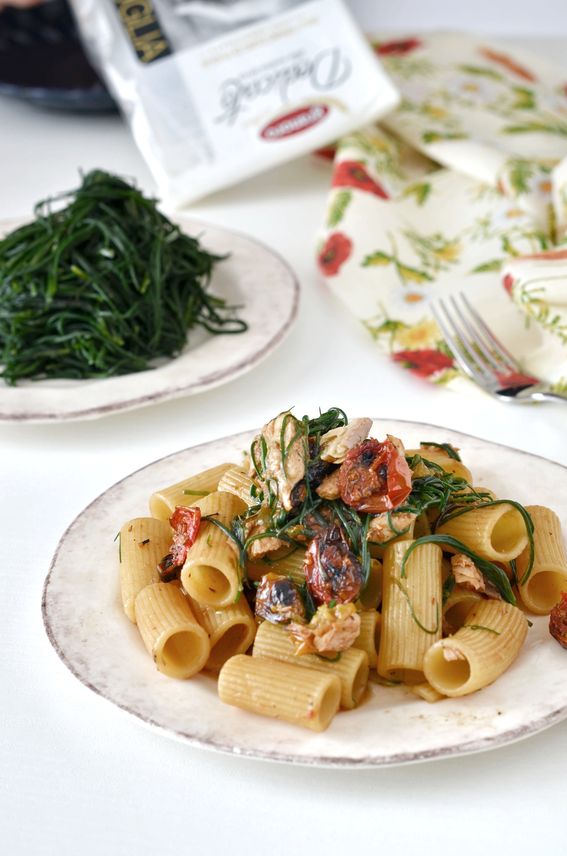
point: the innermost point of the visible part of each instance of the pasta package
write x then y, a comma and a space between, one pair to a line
215, 92
269, 578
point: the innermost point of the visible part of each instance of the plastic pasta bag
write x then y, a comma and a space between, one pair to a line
218, 91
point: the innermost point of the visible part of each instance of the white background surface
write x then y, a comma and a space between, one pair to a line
77, 776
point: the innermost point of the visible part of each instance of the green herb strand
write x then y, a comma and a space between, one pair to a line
491, 571
450, 514
482, 627
421, 626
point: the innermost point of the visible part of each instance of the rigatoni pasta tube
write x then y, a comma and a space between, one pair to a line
548, 577
479, 652
426, 692
164, 502
351, 667
211, 571
144, 542
171, 633
411, 607
495, 532
458, 605
238, 482
369, 637
443, 460
231, 630
291, 564
280, 690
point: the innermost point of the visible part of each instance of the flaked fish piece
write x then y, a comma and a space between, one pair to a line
468, 575
260, 546
332, 629
383, 527
335, 444
280, 454
329, 487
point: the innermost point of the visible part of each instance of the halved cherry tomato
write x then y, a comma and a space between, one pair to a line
332, 571
558, 620
374, 477
278, 600
185, 523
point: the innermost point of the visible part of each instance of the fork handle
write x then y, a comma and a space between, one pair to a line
541, 392
553, 396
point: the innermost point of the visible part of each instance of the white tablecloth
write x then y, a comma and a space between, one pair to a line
78, 776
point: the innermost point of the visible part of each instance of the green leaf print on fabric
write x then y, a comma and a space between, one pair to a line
420, 191
435, 252
406, 273
525, 98
530, 299
481, 71
488, 267
438, 137
551, 126
520, 172
411, 274
377, 258
338, 207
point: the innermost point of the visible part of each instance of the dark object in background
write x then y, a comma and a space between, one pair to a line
42, 60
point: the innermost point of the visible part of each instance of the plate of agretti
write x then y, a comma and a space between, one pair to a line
252, 277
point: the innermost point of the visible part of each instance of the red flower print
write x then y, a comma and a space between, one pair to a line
515, 379
508, 282
397, 48
334, 254
508, 63
326, 153
353, 174
423, 363
550, 255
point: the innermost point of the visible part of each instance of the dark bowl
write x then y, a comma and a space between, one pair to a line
42, 61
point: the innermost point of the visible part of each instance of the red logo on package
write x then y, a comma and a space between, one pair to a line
294, 123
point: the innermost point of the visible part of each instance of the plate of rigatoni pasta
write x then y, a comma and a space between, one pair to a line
325, 590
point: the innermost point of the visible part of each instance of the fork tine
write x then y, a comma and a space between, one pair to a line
483, 349
507, 358
454, 338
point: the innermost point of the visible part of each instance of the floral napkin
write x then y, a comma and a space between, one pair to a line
538, 284
467, 176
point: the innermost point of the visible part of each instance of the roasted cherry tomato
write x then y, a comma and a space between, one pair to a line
558, 620
185, 523
332, 571
278, 600
375, 477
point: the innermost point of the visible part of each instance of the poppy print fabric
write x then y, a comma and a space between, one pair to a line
468, 173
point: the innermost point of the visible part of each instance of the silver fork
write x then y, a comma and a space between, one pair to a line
483, 358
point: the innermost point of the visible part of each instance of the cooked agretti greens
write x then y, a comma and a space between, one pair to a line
103, 286
492, 572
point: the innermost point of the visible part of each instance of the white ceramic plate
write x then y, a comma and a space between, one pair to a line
253, 276
85, 623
